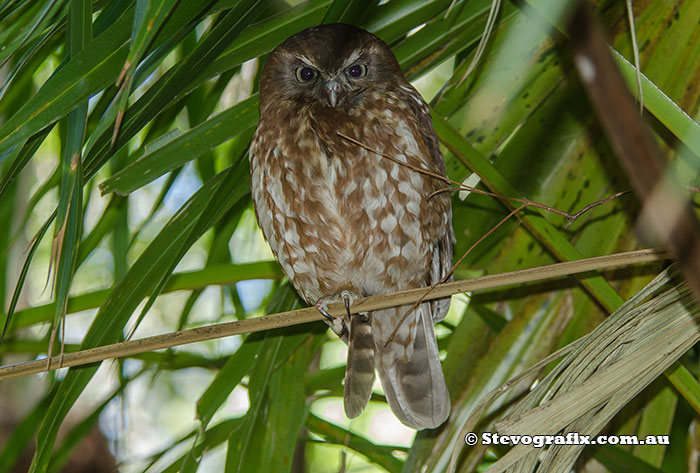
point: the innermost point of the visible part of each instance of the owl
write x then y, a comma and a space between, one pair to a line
345, 222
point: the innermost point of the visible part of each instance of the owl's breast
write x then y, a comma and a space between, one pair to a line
338, 215
302, 201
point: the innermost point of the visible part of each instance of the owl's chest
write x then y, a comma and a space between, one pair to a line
338, 212
329, 185
317, 176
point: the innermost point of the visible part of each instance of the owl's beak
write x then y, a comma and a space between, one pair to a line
330, 90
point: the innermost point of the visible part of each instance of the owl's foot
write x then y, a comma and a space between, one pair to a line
337, 324
348, 298
322, 306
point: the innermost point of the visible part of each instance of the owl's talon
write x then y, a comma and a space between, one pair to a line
340, 330
321, 308
336, 323
346, 298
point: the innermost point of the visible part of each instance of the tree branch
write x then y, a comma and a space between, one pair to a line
310, 314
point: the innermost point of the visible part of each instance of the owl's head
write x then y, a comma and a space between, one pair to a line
333, 65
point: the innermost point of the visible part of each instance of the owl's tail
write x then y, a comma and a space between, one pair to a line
359, 372
409, 367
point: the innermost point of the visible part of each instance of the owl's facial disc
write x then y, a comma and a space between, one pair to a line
335, 82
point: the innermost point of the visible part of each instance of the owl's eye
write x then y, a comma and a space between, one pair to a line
305, 74
357, 71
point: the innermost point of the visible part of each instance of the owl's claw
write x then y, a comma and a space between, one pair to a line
321, 307
337, 324
348, 298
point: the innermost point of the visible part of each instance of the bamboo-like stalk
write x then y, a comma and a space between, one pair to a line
310, 314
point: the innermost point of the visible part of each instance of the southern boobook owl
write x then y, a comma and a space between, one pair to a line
345, 222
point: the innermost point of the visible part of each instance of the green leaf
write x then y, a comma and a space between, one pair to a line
96, 67
23, 275
662, 107
267, 437
444, 36
655, 100
24, 153
160, 95
382, 455
552, 238
686, 384
618, 460
185, 147
206, 441
193, 219
148, 18
103, 226
181, 21
211, 275
261, 37
656, 419
37, 19
70, 204
88, 72
228, 378
392, 20
344, 11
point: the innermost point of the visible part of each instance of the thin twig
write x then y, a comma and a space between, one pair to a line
310, 314
461, 187
529, 203
588, 207
391, 158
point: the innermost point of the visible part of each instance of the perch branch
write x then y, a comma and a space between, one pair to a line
311, 314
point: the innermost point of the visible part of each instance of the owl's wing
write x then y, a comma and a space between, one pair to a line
441, 265
421, 111
442, 251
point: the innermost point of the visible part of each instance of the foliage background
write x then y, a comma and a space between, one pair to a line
152, 230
